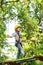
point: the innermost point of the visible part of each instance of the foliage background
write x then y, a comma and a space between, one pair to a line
29, 14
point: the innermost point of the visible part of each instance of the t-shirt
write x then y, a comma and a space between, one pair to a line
17, 37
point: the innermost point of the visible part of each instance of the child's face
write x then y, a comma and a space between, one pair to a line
19, 29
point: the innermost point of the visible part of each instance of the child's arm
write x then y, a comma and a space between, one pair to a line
8, 36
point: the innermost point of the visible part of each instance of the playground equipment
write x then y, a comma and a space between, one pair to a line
20, 61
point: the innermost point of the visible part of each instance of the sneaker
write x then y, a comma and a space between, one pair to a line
24, 55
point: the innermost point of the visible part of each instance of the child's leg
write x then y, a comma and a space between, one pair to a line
18, 54
20, 50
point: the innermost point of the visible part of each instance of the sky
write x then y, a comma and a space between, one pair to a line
10, 29
11, 41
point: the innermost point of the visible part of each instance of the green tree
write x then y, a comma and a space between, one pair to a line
29, 14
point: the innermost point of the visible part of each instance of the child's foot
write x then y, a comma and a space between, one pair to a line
24, 55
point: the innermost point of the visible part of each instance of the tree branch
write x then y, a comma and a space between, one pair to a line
1, 3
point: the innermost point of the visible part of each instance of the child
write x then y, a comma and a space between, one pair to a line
18, 44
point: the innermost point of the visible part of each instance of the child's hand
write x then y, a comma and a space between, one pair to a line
7, 36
